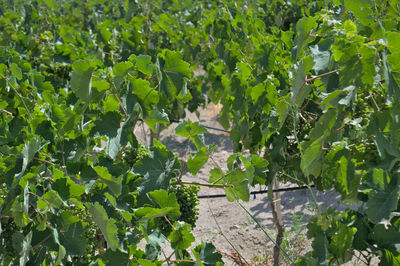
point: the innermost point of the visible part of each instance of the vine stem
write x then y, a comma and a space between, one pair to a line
274, 199
269, 237
41, 242
173, 261
21, 97
29, 192
169, 222
115, 95
119, 101
5, 111
200, 184
340, 128
306, 174
318, 36
37, 210
320, 76
44, 161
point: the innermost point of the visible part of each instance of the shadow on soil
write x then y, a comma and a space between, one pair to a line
179, 145
298, 206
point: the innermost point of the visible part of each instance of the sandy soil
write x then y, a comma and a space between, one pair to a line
226, 224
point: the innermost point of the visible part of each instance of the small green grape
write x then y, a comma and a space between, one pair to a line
9, 228
188, 203
132, 155
91, 235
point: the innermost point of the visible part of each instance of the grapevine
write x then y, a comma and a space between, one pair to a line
8, 230
188, 201
131, 155
93, 236
310, 94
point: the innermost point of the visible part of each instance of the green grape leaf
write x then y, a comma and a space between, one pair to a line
307, 260
53, 199
106, 225
173, 72
350, 94
257, 91
111, 104
144, 65
223, 119
164, 200
181, 237
350, 28
185, 95
238, 186
61, 254
331, 166
67, 188
300, 90
68, 218
111, 199
368, 55
119, 71
216, 176
47, 238
346, 182
26, 199
391, 84
321, 56
197, 160
388, 238
153, 246
17, 239
393, 39
147, 213
156, 116
260, 166
114, 184
5, 134
28, 152
206, 255
282, 109
26, 249
189, 129
81, 79
73, 240
303, 28
156, 172
16, 71
362, 10
148, 96
115, 258
342, 242
124, 135
193, 131
320, 248
381, 203
114, 145
100, 85
199, 142
390, 258
107, 125
311, 160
